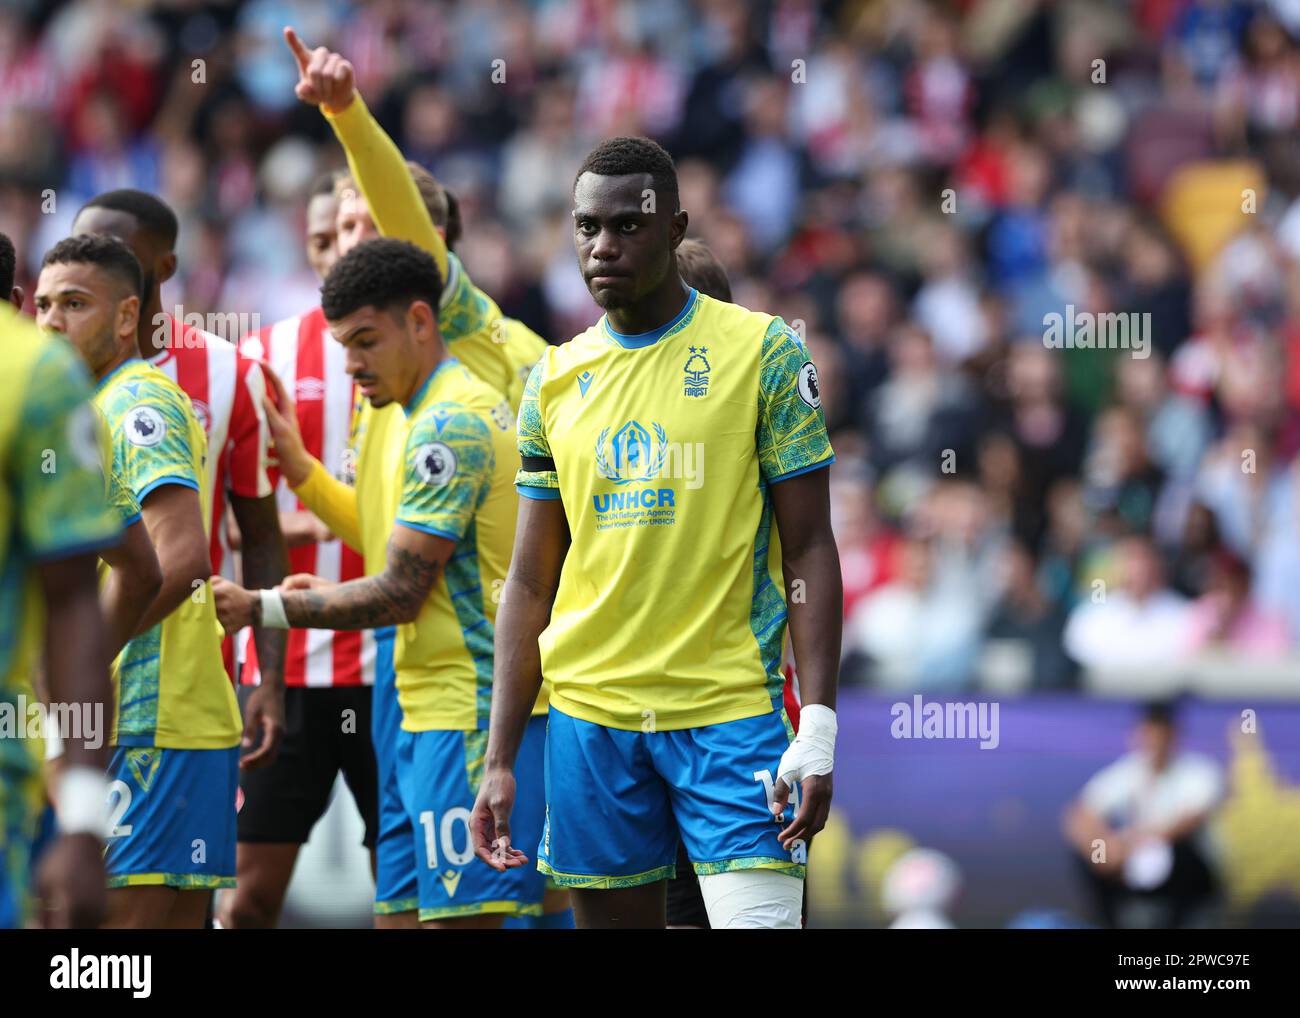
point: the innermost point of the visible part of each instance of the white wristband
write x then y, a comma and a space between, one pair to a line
53, 744
813, 749
273, 616
83, 802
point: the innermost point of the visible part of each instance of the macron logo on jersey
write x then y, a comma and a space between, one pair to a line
584, 382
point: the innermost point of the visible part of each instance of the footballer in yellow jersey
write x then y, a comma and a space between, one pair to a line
659, 451
443, 503
389, 196
176, 727
53, 518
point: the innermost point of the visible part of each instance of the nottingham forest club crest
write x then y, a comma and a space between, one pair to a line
630, 455
696, 381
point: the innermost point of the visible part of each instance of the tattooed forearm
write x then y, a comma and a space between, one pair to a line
265, 559
391, 598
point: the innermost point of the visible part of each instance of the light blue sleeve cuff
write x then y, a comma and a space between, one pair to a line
538, 494
803, 470
184, 482
426, 529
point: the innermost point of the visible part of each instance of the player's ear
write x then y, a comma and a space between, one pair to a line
422, 319
677, 228
16, 298
128, 316
166, 267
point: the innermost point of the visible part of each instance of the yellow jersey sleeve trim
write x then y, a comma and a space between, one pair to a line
381, 173
334, 502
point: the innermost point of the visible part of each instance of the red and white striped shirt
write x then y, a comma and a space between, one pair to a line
312, 367
227, 391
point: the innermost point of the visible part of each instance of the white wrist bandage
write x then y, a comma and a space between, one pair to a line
273, 616
53, 744
813, 749
83, 802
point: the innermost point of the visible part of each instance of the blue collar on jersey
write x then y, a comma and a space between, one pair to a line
654, 335
104, 381
414, 401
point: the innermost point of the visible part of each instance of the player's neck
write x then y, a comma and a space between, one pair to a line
655, 310
122, 358
432, 362
153, 334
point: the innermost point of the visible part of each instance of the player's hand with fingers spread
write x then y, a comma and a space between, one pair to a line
325, 79
290, 451
489, 823
234, 604
810, 760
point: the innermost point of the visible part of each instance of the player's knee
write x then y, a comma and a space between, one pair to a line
753, 899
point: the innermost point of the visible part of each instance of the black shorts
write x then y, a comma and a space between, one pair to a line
686, 903
282, 802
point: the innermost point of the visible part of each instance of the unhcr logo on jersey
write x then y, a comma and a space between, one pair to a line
1110, 330
634, 454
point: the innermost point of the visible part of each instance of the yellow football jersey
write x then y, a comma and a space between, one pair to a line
443, 464
671, 606
171, 685
52, 506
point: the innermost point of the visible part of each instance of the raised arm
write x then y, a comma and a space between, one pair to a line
326, 79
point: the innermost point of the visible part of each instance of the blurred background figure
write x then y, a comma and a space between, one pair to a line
1141, 830
1135, 622
920, 889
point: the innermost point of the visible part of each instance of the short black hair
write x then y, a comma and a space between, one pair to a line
1160, 712
617, 157
380, 273
700, 268
150, 211
108, 253
8, 266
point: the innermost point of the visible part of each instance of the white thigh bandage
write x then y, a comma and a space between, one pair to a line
753, 900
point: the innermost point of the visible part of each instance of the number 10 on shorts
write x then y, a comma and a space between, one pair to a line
444, 832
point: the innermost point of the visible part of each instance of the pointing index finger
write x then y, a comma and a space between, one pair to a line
300, 51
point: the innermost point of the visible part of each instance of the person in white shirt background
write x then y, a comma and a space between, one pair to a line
1141, 830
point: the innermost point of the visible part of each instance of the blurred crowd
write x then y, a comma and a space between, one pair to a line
913, 184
